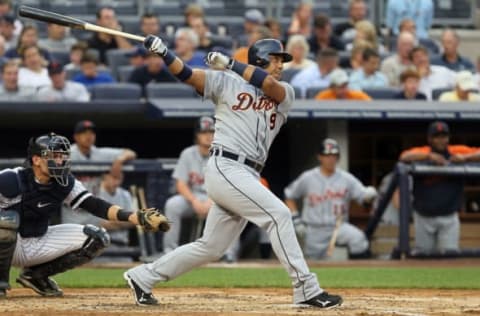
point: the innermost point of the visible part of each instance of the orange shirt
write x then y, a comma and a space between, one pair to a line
241, 55
351, 95
452, 149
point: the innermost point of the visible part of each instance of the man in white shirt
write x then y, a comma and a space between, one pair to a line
433, 76
317, 75
9, 90
62, 89
33, 73
394, 65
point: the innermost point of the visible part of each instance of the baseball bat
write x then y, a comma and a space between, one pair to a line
140, 232
68, 21
333, 240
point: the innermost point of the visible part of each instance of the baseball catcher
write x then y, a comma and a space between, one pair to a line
30, 195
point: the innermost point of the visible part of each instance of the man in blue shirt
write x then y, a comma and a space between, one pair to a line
90, 74
368, 76
420, 11
450, 57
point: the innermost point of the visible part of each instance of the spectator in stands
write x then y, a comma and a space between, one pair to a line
2, 49
137, 56
394, 65
326, 192
104, 42
7, 30
365, 31
84, 149
7, 9
206, 41
437, 199
10, 90
57, 39
191, 198
28, 37
421, 11
186, 43
322, 37
297, 46
357, 11
451, 57
77, 52
408, 25
62, 89
90, 74
368, 76
356, 54
253, 19
276, 29
33, 71
154, 70
193, 10
410, 80
433, 76
317, 75
149, 24
465, 86
301, 22
261, 32
339, 89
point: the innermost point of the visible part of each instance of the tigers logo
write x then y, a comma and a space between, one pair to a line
246, 101
195, 178
314, 199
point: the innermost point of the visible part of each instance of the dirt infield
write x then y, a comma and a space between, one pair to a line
205, 301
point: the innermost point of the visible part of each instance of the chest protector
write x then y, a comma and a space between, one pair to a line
39, 203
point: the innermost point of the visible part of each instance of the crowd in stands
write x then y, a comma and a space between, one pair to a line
392, 59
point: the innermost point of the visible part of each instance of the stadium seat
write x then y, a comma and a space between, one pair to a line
222, 41
124, 72
70, 8
62, 57
170, 90
313, 91
288, 74
381, 93
298, 92
116, 91
436, 93
117, 58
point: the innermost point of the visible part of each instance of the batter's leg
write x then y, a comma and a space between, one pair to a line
449, 233
221, 228
425, 233
176, 208
238, 190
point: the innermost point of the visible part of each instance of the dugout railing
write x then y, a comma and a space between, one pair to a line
153, 175
400, 180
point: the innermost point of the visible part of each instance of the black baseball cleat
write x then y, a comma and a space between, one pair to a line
141, 297
324, 300
43, 286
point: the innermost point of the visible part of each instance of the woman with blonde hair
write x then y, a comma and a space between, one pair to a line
298, 47
366, 31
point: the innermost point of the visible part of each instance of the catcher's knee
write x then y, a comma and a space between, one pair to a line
98, 239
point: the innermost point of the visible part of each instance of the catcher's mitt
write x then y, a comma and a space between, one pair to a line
152, 220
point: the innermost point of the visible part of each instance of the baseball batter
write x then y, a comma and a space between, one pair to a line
251, 105
189, 175
30, 196
326, 192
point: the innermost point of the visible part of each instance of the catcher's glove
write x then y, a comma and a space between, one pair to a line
152, 220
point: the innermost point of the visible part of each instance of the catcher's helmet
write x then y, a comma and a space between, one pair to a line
205, 124
329, 146
56, 150
258, 52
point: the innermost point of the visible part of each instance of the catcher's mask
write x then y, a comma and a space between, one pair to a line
55, 149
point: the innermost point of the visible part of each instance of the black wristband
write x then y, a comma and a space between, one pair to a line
238, 67
123, 215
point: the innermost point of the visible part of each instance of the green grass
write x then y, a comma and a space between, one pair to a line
362, 277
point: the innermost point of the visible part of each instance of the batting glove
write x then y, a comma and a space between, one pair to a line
155, 45
218, 61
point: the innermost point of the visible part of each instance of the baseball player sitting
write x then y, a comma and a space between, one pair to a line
326, 192
192, 197
30, 196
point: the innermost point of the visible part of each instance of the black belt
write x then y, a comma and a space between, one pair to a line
222, 153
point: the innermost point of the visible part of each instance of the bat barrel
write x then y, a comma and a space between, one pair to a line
50, 17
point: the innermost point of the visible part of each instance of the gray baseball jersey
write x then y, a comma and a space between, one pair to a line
247, 121
325, 197
190, 169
